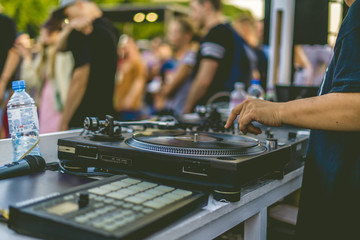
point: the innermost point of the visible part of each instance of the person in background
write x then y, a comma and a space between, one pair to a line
246, 27
9, 60
8, 55
162, 53
221, 60
130, 81
330, 194
311, 62
260, 33
92, 39
177, 81
49, 73
150, 56
303, 75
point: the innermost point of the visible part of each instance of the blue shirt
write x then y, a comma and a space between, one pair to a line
330, 197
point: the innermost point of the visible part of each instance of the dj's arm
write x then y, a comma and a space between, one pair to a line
76, 91
333, 112
201, 83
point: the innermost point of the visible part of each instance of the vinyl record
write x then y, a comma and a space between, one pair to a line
195, 143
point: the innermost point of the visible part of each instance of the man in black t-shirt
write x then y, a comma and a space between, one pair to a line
92, 40
8, 55
221, 60
9, 60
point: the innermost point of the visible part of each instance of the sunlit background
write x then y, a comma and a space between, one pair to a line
30, 14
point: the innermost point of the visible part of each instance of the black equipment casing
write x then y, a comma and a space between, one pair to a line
223, 175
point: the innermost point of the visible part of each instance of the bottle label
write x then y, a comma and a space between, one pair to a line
23, 120
236, 102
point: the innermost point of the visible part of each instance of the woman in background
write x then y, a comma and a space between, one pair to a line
130, 81
177, 72
49, 73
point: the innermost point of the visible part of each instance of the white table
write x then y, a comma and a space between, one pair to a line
211, 221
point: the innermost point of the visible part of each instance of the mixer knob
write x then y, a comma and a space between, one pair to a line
271, 143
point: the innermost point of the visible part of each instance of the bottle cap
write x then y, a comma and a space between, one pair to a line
18, 85
255, 81
239, 85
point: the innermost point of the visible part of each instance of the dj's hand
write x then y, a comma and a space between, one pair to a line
253, 109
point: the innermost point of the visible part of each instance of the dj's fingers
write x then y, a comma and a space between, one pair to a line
233, 115
243, 111
252, 129
245, 124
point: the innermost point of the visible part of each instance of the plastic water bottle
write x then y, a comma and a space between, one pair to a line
238, 95
270, 95
23, 121
255, 90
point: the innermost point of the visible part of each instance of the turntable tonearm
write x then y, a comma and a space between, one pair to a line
219, 162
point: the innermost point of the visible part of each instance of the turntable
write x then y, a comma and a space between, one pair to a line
218, 162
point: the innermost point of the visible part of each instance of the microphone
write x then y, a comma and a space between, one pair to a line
28, 164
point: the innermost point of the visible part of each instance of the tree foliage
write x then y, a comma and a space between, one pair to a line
30, 14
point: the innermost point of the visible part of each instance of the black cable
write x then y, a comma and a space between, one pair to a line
52, 166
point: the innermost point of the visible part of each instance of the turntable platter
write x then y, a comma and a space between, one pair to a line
195, 143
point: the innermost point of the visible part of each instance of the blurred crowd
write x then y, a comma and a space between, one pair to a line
80, 65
